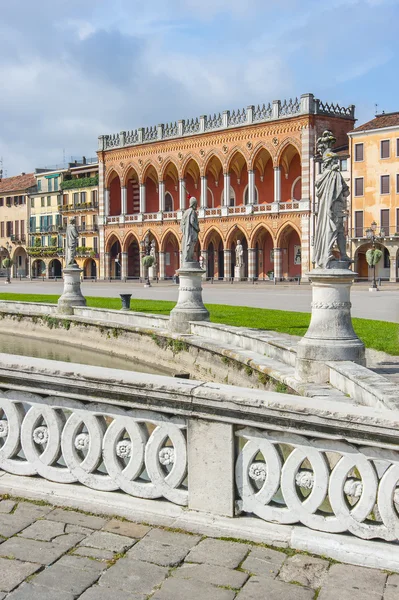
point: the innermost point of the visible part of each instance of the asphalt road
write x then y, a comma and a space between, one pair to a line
383, 305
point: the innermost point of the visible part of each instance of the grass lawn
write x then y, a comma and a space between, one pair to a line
379, 335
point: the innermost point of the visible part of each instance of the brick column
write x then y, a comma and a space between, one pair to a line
161, 256
251, 263
227, 265
278, 263
123, 265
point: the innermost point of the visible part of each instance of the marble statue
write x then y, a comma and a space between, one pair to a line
190, 228
72, 237
332, 192
202, 261
239, 254
153, 253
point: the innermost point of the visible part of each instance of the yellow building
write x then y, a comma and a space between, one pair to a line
14, 210
374, 149
80, 200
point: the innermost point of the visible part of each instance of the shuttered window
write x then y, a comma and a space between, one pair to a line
358, 223
385, 149
359, 152
397, 147
359, 187
385, 220
384, 184
397, 184
397, 220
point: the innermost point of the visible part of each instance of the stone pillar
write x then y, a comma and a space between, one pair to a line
305, 246
161, 192
226, 189
277, 185
251, 186
161, 256
189, 305
278, 263
330, 336
123, 200
142, 198
227, 264
393, 268
204, 192
72, 295
182, 194
124, 258
106, 202
142, 269
251, 263
205, 255
106, 265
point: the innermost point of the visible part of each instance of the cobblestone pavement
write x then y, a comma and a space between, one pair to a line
48, 553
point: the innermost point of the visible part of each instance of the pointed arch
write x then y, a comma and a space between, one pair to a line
236, 162
129, 238
150, 172
214, 163
281, 231
170, 169
130, 172
260, 230
112, 237
233, 233
110, 176
210, 236
166, 235
286, 151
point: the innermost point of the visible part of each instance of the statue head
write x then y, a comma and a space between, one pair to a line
73, 221
238, 242
193, 202
325, 141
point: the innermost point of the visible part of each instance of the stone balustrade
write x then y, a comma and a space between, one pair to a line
274, 467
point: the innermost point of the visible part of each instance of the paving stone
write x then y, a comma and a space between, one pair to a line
392, 588
94, 553
44, 530
134, 530
76, 562
27, 591
13, 572
60, 577
2, 596
6, 506
76, 518
69, 540
165, 548
109, 541
32, 511
211, 574
133, 575
260, 588
77, 529
12, 524
102, 593
347, 582
24, 549
264, 562
218, 552
305, 570
183, 589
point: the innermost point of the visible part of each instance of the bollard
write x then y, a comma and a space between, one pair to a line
125, 301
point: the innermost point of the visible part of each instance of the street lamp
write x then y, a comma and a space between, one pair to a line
374, 239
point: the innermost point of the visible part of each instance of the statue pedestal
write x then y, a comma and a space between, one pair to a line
330, 336
189, 305
152, 273
72, 295
239, 273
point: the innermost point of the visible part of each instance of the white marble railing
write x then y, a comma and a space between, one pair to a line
221, 450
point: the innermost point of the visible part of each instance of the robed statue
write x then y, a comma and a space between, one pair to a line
332, 192
239, 254
72, 237
190, 228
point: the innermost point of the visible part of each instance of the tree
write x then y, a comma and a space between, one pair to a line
7, 264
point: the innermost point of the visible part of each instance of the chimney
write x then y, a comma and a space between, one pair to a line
23, 173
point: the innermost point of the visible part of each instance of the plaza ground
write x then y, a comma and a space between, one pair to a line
48, 553
382, 305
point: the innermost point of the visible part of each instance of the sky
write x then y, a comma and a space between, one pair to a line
72, 70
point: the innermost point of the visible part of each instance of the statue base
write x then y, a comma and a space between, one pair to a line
239, 273
330, 336
152, 273
72, 295
189, 305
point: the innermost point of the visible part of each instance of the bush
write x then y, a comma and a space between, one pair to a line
148, 261
373, 256
7, 263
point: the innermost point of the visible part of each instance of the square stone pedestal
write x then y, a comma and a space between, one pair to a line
330, 336
189, 305
72, 295
239, 273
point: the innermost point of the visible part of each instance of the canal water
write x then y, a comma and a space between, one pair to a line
25, 346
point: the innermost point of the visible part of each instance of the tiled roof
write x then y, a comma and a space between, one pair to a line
18, 183
380, 121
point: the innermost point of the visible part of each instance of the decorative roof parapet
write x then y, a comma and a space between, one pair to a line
305, 105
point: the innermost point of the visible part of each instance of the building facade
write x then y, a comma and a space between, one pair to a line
374, 149
14, 215
252, 172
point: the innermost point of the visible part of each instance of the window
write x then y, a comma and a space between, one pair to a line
358, 223
1, 201
387, 262
83, 224
95, 245
8, 201
9, 228
32, 203
84, 242
397, 184
42, 201
397, 146
384, 187
75, 198
22, 227
385, 220
343, 164
48, 200
39, 185
49, 185
385, 149
168, 202
16, 228
56, 184
83, 197
94, 196
232, 198
65, 199
246, 195
359, 186
2, 229
359, 152
397, 220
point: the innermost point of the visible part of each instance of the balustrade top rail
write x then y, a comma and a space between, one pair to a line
306, 104
381, 232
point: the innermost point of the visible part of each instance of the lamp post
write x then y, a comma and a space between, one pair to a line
374, 239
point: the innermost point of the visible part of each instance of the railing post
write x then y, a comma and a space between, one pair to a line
211, 488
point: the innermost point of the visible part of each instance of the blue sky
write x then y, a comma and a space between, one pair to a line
71, 70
